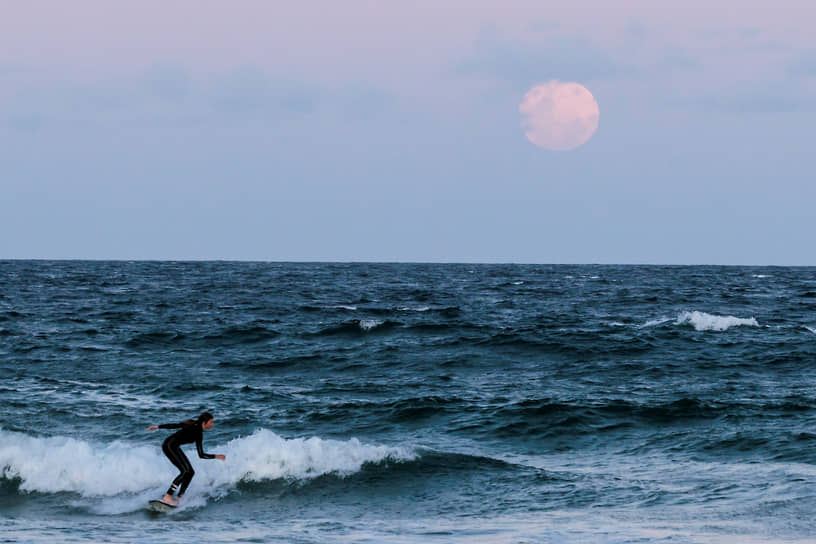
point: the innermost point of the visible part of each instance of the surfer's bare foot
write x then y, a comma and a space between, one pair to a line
169, 499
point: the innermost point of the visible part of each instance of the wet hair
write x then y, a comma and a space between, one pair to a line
203, 418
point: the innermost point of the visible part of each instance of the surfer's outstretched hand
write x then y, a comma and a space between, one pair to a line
222, 457
152, 427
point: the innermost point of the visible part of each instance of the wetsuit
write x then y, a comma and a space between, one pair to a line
189, 432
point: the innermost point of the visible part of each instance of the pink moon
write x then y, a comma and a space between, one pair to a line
559, 116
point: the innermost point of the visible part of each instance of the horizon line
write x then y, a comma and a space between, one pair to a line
390, 262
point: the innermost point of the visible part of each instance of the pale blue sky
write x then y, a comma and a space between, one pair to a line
390, 131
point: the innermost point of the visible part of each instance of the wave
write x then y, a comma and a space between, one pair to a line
655, 322
64, 464
385, 311
228, 336
154, 339
359, 326
407, 410
240, 334
574, 343
316, 308
600, 413
702, 321
544, 418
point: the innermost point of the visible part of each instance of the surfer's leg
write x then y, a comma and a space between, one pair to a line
179, 460
186, 476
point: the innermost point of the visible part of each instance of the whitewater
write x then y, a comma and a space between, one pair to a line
62, 464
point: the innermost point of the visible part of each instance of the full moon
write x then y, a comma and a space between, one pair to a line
559, 116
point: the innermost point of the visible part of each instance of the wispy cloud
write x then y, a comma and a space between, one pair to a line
674, 58
547, 54
169, 81
524, 62
636, 30
758, 99
167, 93
804, 65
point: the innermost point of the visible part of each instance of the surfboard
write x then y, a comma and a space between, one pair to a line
159, 506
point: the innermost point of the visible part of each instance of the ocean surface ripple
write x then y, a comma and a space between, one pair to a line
410, 402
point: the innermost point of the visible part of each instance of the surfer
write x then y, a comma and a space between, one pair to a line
189, 431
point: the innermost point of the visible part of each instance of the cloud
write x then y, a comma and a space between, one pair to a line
804, 65
248, 91
25, 122
167, 94
242, 91
168, 81
635, 30
543, 26
10, 69
567, 58
673, 59
759, 99
361, 102
35, 99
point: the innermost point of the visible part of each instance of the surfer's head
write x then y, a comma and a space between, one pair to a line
205, 420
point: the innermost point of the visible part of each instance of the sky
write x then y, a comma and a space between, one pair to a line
390, 131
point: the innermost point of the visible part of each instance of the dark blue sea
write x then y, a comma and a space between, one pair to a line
409, 403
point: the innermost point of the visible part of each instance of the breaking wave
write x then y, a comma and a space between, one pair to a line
64, 464
702, 321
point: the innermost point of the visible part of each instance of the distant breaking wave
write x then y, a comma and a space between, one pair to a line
702, 321
358, 326
654, 322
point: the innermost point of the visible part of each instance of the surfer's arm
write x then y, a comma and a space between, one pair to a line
200, 449
165, 426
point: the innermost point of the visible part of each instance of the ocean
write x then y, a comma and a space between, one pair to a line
409, 403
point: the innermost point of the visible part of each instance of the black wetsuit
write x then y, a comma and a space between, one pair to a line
189, 432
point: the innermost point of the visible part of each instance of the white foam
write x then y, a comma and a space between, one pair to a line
60, 464
266, 456
369, 324
708, 322
345, 307
51, 465
702, 321
654, 322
